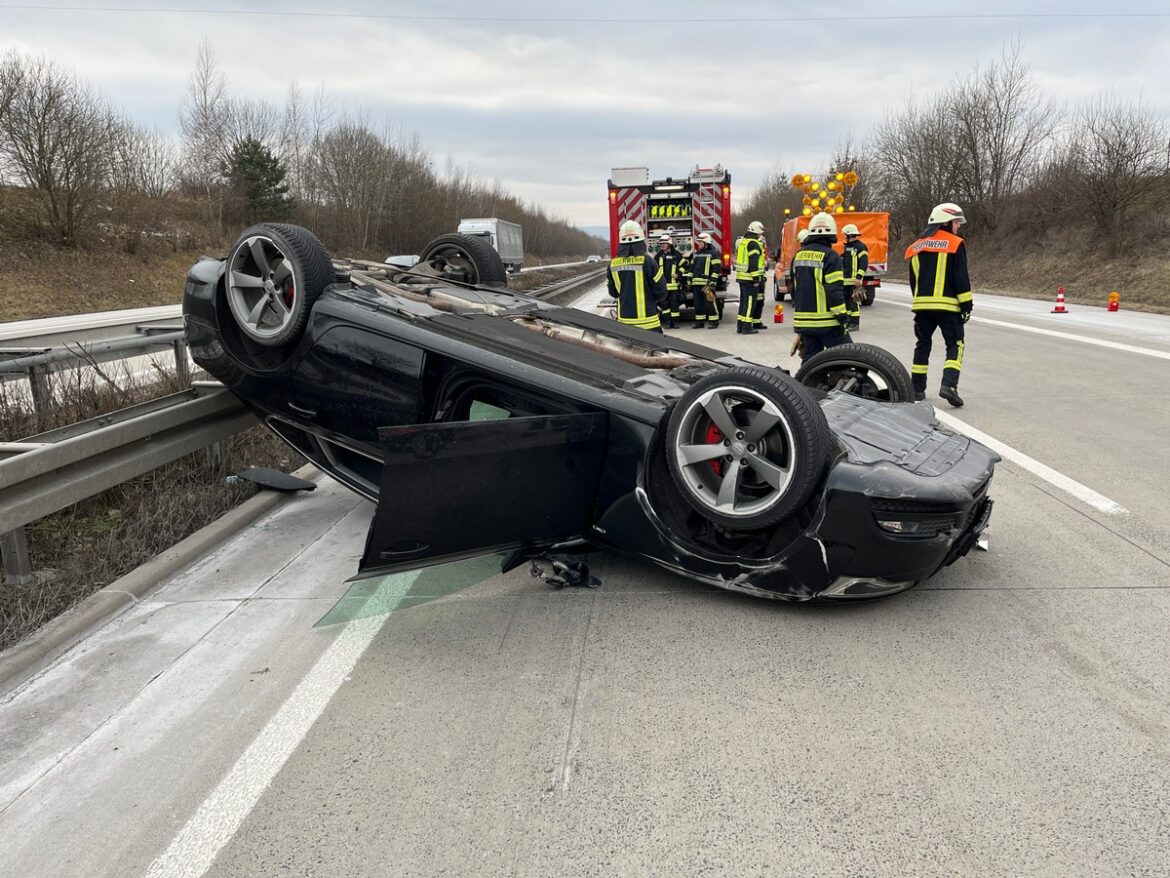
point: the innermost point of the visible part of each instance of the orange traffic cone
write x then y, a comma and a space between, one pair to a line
1060, 309
778, 316
1114, 301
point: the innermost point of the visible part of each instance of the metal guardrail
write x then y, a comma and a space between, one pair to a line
51, 471
36, 364
565, 287
48, 472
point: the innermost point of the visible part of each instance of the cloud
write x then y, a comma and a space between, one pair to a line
548, 108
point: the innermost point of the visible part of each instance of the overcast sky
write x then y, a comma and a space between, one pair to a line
548, 97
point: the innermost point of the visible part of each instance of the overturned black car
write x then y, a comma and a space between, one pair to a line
482, 420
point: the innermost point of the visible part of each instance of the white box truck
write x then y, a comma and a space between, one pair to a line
506, 238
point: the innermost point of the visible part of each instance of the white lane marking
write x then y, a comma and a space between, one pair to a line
1057, 479
195, 848
1085, 339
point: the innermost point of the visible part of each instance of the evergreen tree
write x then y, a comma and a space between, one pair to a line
258, 179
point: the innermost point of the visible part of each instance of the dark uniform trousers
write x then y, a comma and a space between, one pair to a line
758, 307
748, 290
951, 324
816, 340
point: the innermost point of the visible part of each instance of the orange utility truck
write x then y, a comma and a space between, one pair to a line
875, 232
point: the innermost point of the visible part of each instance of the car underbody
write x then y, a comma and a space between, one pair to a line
482, 420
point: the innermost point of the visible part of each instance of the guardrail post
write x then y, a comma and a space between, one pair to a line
182, 362
217, 457
42, 395
14, 548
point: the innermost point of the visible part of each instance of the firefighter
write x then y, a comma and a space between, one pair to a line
669, 258
856, 259
702, 274
942, 298
818, 297
636, 280
800, 236
749, 274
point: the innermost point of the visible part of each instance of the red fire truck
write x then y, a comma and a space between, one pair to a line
681, 207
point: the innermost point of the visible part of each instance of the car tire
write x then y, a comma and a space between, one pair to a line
773, 479
272, 275
466, 259
870, 293
861, 369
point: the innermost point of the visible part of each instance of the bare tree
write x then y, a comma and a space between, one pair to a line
250, 119
1002, 125
203, 120
1119, 164
57, 136
144, 162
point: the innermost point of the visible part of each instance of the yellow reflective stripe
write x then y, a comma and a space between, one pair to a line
838, 309
965, 297
957, 364
917, 274
814, 322
640, 294
940, 276
928, 304
643, 322
917, 369
834, 277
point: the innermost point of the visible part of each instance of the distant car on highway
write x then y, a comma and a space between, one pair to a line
592, 257
402, 261
483, 420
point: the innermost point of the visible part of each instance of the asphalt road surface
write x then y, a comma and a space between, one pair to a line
1009, 717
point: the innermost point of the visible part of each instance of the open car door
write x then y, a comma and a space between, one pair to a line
455, 490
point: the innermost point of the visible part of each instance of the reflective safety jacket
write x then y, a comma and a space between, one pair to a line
819, 296
669, 259
938, 273
702, 269
749, 258
856, 259
636, 281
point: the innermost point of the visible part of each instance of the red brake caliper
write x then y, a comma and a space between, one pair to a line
715, 437
288, 295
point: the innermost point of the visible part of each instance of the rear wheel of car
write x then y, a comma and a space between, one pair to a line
747, 447
466, 259
861, 369
273, 274
869, 296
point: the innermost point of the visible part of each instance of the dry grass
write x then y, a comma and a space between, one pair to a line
37, 280
1035, 268
530, 280
84, 548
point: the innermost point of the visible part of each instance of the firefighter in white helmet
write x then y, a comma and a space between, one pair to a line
818, 297
856, 259
636, 280
702, 272
669, 258
942, 298
750, 268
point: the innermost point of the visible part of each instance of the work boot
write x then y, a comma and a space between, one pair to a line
748, 329
951, 395
919, 395
712, 324
698, 324
759, 326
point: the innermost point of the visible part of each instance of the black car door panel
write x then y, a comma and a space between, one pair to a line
456, 490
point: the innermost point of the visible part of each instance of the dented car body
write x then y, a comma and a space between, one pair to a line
481, 420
